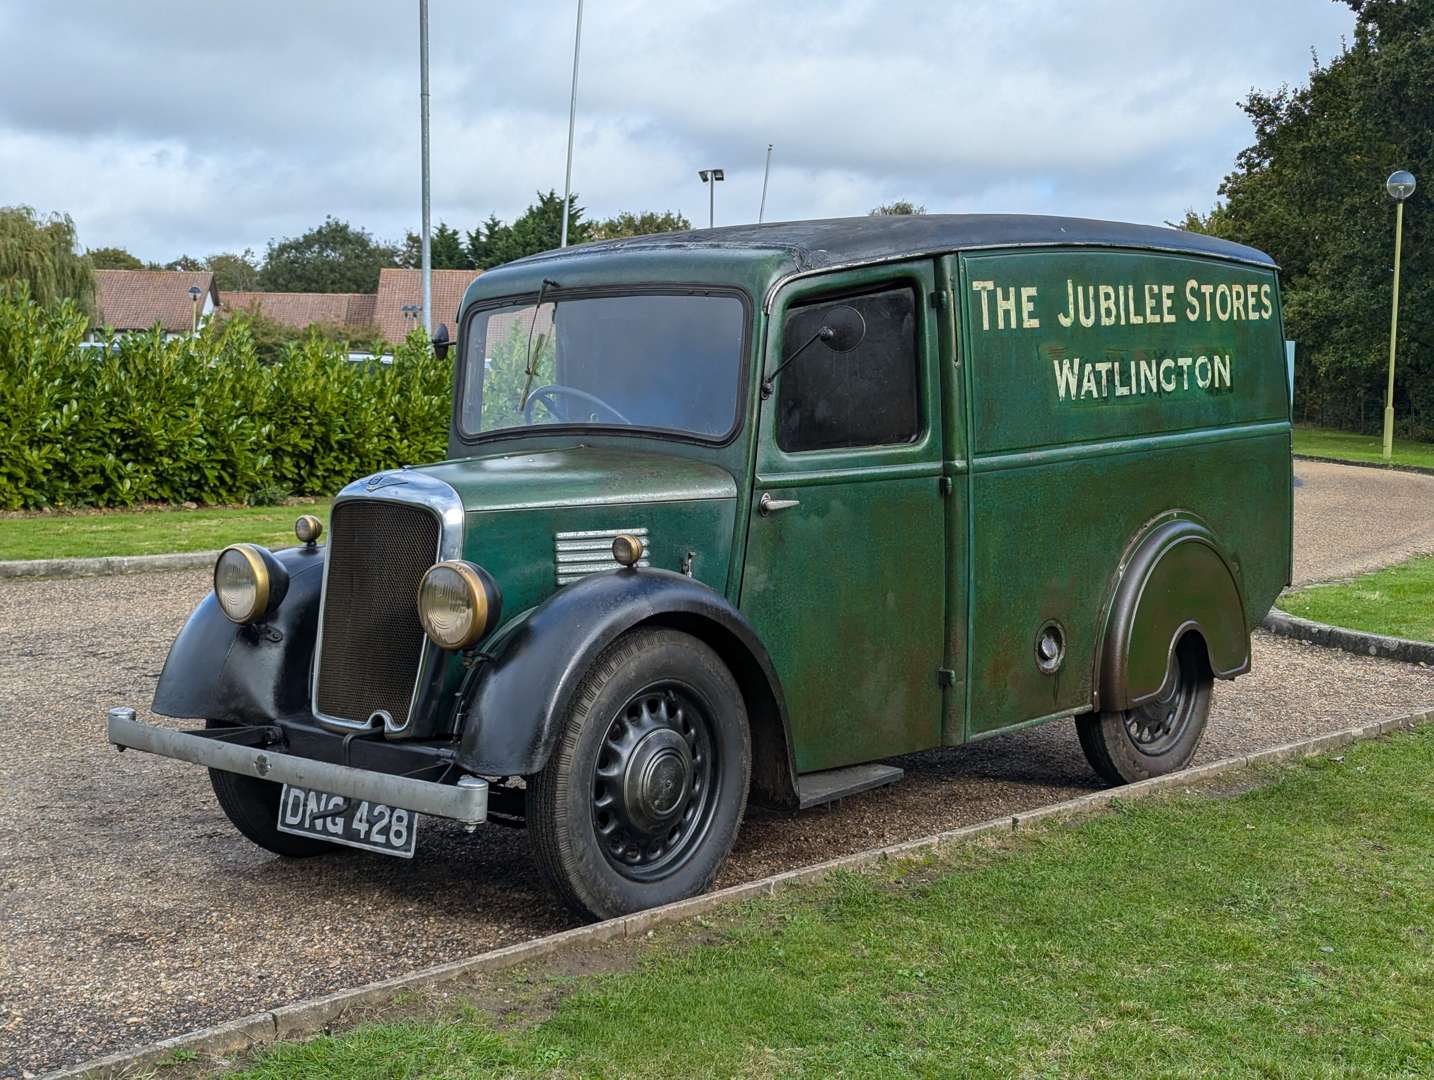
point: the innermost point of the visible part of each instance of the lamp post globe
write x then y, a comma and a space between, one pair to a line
1400, 185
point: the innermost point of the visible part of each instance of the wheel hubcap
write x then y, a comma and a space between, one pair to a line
653, 785
1158, 725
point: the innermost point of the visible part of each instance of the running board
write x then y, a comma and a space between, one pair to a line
818, 788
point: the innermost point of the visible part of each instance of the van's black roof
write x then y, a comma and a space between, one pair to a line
828, 242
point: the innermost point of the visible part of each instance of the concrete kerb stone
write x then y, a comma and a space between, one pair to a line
230, 1037
1353, 641
308, 1017
106, 565
1386, 466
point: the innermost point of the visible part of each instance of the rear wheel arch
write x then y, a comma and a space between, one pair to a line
1174, 581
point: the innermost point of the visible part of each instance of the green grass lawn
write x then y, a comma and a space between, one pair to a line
1285, 931
1346, 446
1397, 600
150, 532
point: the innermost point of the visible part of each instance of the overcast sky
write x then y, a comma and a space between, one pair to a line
216, 125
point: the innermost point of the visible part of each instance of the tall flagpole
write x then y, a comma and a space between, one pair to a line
572, 119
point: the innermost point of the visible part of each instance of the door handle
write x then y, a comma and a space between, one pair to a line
768, 505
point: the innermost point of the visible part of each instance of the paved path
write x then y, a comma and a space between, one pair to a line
133, 911
1349, 519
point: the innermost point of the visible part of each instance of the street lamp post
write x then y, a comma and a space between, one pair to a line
194, 294
1400, 186
710, 178
426, 250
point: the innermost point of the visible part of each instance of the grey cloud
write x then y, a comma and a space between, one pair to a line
209, 125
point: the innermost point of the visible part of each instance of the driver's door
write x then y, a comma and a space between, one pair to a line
845, 568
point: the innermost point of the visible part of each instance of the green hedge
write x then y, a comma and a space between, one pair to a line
200, 419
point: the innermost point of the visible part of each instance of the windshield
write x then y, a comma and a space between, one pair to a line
648, 360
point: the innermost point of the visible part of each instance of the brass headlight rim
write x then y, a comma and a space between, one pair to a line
253, 556
478, 599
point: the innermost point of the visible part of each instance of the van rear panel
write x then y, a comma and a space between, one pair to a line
1107, 388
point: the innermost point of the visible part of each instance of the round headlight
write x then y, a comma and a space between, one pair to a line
308, 529
458, 603
242, 582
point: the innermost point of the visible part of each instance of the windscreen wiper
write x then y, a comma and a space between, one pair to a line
528, 364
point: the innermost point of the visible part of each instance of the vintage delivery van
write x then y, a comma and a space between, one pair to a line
740, 513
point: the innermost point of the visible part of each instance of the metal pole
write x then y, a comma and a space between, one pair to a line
572, 119
1393, 332
427, 258
762, 210
711, 198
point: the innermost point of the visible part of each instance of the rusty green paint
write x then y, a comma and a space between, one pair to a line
1015, 506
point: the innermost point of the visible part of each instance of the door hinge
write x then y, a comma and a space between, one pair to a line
945, 678
938, 299
946, 485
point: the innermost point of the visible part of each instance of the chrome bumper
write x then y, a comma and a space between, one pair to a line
466, 801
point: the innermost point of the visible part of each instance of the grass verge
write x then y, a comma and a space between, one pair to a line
149, 532
1397, 601
1347, 446
1283, 931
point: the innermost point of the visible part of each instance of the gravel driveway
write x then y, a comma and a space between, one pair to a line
133, 911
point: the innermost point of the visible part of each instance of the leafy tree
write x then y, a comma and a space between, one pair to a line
445, 250
113, 258
40, 254
234, 271
539, 228
333, 257
899, 208
484, 242
642, 223
185, 262
1310, 192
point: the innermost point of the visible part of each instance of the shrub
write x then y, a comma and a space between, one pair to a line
200, 419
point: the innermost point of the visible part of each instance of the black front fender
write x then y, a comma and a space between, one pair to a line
514, 715
253, 674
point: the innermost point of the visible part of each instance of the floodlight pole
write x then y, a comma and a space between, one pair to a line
766, 171
572, 120
426, 259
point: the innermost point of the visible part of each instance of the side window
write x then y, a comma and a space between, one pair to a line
866, 397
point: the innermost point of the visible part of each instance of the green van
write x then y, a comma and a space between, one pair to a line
739, 513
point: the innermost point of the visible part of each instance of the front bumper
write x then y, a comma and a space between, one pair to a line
465, 801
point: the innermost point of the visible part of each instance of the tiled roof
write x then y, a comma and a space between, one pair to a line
397, 287
137, 299
300, 310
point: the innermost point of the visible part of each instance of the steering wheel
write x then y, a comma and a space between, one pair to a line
555, 390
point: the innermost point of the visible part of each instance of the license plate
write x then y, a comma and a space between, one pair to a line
353, 822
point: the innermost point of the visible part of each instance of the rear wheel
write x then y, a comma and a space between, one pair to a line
1158, 737
643, 794
253, 807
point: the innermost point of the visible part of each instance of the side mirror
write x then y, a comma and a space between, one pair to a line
843, 329
441, 343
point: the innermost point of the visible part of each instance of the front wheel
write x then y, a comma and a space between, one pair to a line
643, 794
1160, 736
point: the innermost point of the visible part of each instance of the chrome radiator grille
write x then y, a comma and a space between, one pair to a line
578, 554
371, 643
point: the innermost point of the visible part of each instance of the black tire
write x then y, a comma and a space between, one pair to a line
1161, 736
253, 806
643, 794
